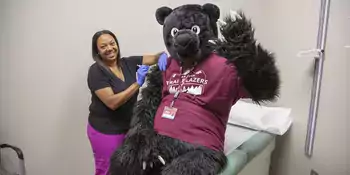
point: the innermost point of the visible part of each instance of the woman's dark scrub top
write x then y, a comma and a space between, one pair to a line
102, 118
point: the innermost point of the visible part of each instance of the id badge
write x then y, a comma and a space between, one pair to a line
169, 112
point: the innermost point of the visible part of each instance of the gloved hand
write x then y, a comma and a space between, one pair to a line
162, 61
141, 74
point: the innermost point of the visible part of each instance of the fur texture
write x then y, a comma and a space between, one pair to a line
140, 142
181, 24
256, 66
139, 153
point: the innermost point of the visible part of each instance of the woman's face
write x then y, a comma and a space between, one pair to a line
107, 47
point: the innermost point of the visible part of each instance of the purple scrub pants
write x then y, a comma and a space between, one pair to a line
103, 147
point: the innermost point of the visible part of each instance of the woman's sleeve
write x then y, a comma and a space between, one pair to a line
97, 79
135, 60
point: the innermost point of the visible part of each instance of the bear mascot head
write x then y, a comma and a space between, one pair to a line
190, 34
188, 29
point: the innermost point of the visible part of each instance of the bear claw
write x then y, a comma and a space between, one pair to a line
234, 15
212, 41
161, 160
221, 22
144, 165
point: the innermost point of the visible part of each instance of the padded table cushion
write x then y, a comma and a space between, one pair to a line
240, 157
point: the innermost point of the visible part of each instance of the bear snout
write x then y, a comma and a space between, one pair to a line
183, 39
186, 43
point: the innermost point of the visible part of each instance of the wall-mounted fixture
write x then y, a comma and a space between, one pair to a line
316, 88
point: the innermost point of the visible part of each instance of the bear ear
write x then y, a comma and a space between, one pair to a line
212, 10
162, 13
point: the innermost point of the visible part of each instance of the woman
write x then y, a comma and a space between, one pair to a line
114, 87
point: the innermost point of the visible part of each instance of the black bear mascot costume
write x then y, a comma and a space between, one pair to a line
178, 127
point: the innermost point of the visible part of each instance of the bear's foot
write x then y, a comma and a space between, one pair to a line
137, 155
124, 161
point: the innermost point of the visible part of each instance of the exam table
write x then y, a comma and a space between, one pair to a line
252, 157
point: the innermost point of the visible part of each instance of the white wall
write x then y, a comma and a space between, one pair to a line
331, 155
45, 54
44, 57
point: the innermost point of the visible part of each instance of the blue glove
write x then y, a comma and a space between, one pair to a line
141, 74
162, 61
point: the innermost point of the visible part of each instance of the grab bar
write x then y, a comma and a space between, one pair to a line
22, 169
316, 87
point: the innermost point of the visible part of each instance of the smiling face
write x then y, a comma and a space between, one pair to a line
107, 48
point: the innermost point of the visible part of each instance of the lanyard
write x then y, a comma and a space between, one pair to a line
176, 95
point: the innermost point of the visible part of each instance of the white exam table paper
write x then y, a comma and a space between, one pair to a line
274, 120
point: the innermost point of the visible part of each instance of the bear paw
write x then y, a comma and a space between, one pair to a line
236, 28
233, 16
236, 15
137, 154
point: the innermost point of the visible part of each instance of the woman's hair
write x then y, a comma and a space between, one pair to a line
95, 54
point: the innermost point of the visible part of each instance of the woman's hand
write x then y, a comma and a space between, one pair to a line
161, 58
141, 74
162, 61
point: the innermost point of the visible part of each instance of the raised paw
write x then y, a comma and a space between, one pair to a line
235, 15
221, 22
235, 27
230, 18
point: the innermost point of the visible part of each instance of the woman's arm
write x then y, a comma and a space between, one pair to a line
114, 101
151, 59
98, 83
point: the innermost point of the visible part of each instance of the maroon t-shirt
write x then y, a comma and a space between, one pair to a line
203, 104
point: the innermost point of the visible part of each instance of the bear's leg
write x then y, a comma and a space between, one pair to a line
136, 149
197, 162
134, 157
155, 170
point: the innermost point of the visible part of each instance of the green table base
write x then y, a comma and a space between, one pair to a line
240, 157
